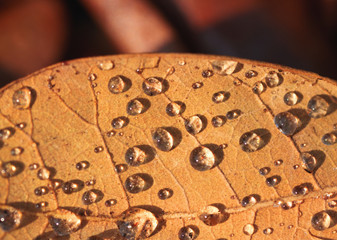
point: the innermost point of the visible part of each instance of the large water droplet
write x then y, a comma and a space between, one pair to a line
250, 142
287, 123
329, 138
135, 183
119, 122
137, 223
10, 218
162, 139
117, 84
273, 79
321, 221
165, 193
174, 108
202, 158
89, 197
211, 215
194, 125
224, 67
300, 190
188, 233
72, 186
152, 86
134, 107
22, 98
258, 87
64, 222
9, 169
43, 173
135, 156
291, 98
273, 180
309, 162
249, 229
249, 201
5, 133
318, 107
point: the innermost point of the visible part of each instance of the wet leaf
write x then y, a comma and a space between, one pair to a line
127, 147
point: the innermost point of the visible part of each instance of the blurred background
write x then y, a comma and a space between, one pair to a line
297, 33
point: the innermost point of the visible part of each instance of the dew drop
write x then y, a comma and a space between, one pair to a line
16, 151
224, 67
116, 84
165, 193
321, 221
8, 169
135, 156
39, 191
329, 138
211, 215
64, 222
89, 197
233, 114
134, 107
41, 205
287, 205
249, 229
273, 181
10, 218
120, 168
250, 142
278, 162
70, 187
110, 202
82, 165
318, 107
300, 190
237, 82
98, 149
250, 74
22, 98
106, 65
119, 122
90, 182
218, 121
135, 183
188, 233
207, 73
220, 97
332, 203
259, 87
309, 162
264, 171
249, 201
291, 98
273, 79
194, 125
43, 173
33, 166
287, 123
162, 139
92, 77
152, 86
197, 85
20, 125
6, 133
137, 223
268, 231
111, 133
174, 109
202, 158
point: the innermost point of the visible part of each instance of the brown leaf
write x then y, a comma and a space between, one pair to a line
168, 146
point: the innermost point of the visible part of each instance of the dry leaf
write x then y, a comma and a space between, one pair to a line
168, 146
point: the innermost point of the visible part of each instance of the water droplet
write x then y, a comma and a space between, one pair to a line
224, 67
329, 195
329, 138
207, 73
237, 82
287, 205
268, 231
106, 65
111, 133
194, 125
41, 205
321, 221
43, 173
117, 84
290, 226
89, 197
82, 165
233, 114
211, 215
249, 229
259, 87
20, 125
170, 71
296, 166
197, 85
264, 171
10, 218
309, 162
250, 142
6, 133
188, 233
16, 151
33, 166
162, 139
64, 222
120, 168
135, 183
119, 122
318, 107
70, 187
98, 149
137, 223
287, 123
92, 77
134, 107
273, 181
291, 98
39, 191
182, 62
165, 193
218, 121
90, 182
9, 169
273, 79
110, 202
250, 74
202, 158
152, 86
22, 98
219, 97
332, 203
300, 190
174, 108
135, 156
278, 162
249, 201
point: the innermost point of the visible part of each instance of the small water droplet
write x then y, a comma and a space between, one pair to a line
287, 123
321, 221
6, 133
20, 125
290, 226
249, 229
273, 79
220, 97
250, 74
135, 156
318, 107
10, 218
110, 202
250, 142
202, 158
194, 125
162, 139
264, 171
134, 107
39, 191
92, 77
41, 205
64, 222
259, 87
223, 146
139, 70
22, 98
119, 122
287, 205
182, 62
332, 204
70, 187
137, 223
43, 173
89, 197
90, 182
273, 181
207, 73
106, 65
300, 190
152, 86
111, 133
211, 215
278, 162
188, 233
309, 162
98, 149
165, 193
218, 121
329, 195
291, 98
249, 201
135, 183
296, 166
120, 168
170, 71
117, 84
335, 126
303, 145
33, 166
268, 231
224, 67
329, 138
233, 114
197, 85
174, 108
8, 169
237, 82
16, 151
82, 165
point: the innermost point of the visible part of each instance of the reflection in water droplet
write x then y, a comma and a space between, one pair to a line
329, 138
317, 107
134, 107
287, 123
89, 197
10, 218
264, 171
218, 121
211, 215
219, 97
249, 201
194, 125
173, 109
22, 98
259, 87
98, 149
64, 222
135, 183
152, 86
321, 221
82, 165
300, 190
273, 79
106, 65
39, 191
197, 85
8, 169
162, 139
16, 151
43, 173
165, 193
135, 156
250, 142
268, 231
249, 229
224, 67
233, 114
291, 98
202, 158
116, 84
188, 233
120, 168
273, 181
207, 73
119, 122
309, 162
137, 223
5, 133
250, 74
